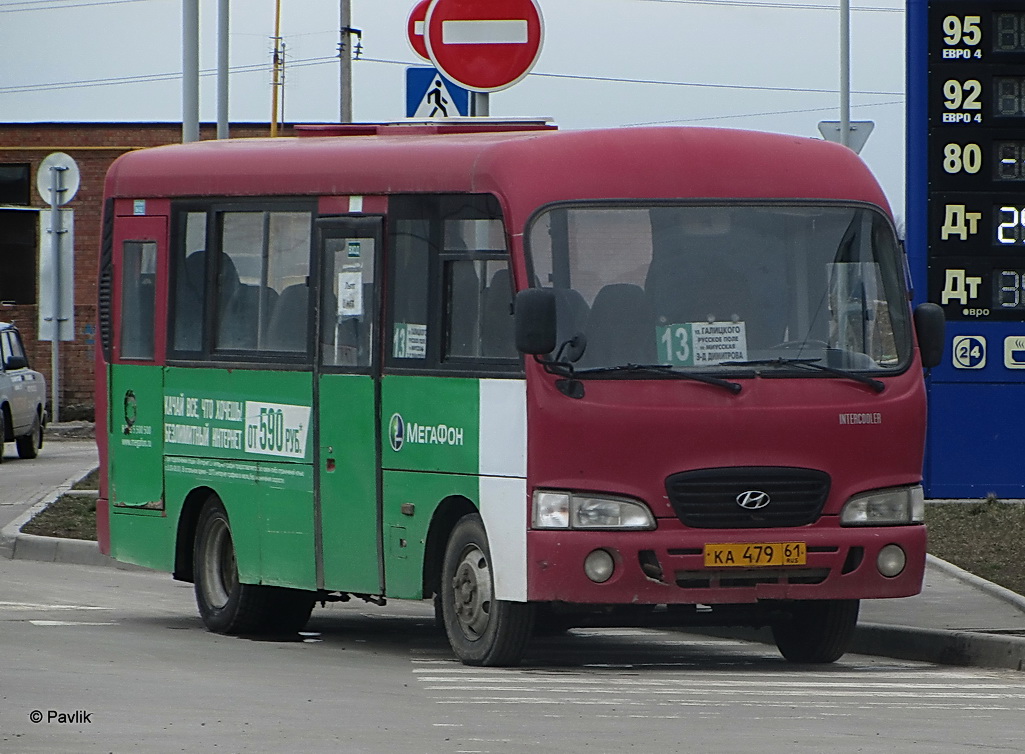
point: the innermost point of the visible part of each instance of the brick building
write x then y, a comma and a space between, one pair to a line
94, 146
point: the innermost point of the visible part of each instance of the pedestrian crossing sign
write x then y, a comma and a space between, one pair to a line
431, 95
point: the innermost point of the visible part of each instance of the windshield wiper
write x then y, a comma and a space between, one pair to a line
813, 364
663, 370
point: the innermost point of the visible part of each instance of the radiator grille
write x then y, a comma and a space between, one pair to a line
708, 498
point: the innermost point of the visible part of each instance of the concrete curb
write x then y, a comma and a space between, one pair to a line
1001, 593
967, 648
17, 545
934, 645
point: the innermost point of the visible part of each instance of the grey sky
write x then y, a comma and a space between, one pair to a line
753, 64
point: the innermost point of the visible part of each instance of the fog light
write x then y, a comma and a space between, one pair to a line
599, 566
891, 561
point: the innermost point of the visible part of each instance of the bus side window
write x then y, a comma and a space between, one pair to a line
138, 295
477, 289
478, 308
449, 304
190, 284
347, 307
253, 257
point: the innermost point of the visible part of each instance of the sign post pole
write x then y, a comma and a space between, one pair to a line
57, 182
56, 232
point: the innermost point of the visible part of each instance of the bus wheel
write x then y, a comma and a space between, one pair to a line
228, 606
29, 445
481, 629
818, 631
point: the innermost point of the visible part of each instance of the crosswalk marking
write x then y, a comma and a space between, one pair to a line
652, 690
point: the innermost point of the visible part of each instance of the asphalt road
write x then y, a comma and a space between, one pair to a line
124, 658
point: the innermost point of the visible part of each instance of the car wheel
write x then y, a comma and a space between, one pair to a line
29, 445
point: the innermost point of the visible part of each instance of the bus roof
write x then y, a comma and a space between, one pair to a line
527, 169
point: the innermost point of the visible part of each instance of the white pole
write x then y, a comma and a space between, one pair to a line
845, 72
56, 231
480, 105
222, 69
190, 70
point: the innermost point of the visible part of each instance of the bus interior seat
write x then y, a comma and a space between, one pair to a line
497, 331
189, 299
697, 291
463, 310
621, 328
571, 314
286, 328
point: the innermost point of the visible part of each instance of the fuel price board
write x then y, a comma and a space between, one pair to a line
966, 233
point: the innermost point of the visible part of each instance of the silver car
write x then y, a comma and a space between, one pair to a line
22, 396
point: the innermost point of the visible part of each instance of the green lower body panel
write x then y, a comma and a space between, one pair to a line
406, 532
270, 510
144, 538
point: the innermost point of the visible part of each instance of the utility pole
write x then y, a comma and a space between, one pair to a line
345, 57
275, 80
222, 69
845, 72
190, 70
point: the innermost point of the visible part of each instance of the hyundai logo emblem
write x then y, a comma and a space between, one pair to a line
753, 500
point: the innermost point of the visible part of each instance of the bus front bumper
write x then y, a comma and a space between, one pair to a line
667, 565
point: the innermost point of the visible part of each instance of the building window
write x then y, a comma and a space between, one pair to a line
18, 229
15, 184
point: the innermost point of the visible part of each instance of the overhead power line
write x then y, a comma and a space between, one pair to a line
31, 5
306, 62
663, 82
786, 6
756, 115
150, 77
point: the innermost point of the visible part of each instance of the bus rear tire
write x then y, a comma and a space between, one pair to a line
481, 630
818, 631
228, 606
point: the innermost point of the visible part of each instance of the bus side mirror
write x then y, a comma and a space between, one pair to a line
534, 310
930, 324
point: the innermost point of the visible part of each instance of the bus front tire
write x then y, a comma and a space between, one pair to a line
818, 631
481, 630
228, 606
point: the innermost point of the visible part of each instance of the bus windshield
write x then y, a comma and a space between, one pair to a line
725, 287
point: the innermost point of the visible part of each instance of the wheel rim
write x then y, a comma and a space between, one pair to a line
220, 575
471, 587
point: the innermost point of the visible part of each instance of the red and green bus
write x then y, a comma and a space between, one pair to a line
639, 376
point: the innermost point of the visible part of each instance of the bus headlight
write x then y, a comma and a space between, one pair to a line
567, 510
897, 505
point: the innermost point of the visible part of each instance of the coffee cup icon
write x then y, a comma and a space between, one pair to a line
1014, 352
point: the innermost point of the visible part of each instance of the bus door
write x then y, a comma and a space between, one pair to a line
135, 372
347, 479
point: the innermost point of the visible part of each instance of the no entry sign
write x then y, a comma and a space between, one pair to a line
415, 28
485, 47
